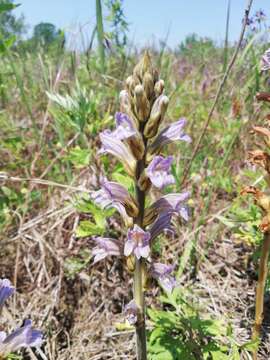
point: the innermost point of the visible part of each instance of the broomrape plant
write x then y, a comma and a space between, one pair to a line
137, 142
262, 199
25, 336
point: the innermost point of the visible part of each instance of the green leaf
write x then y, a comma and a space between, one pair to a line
87, 228
79, 157
8, 7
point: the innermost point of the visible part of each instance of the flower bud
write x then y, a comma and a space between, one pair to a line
159, 87
148, 84
156, 116
144, 182
136, 146
141, 103
130, 262
145, 65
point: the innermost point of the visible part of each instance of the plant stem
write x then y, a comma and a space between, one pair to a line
138, 274
100, 34
263, 269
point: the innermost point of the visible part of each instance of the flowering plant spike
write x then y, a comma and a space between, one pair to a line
137, 142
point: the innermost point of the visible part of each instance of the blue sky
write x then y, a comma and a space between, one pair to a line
149, 20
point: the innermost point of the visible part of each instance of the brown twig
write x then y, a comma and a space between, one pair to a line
219, 91
263, 270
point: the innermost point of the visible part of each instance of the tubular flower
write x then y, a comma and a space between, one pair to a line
114, 146
162, 273
137, 243
25, 336
171, 203
162, 223
126, 130
159, 171
6, 290
106, 247
173, 132
116, 196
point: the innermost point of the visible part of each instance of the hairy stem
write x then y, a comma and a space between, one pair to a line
263, 269
138, 274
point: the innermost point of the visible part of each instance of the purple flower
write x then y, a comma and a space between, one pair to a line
6, 290
22, 337
112, 145
131, 312
124, 127
172, 203
265, 62
250, 21
106, 247
159, 171
137, 242
162, 273
260, 15
114, 195
173, 132
162, 223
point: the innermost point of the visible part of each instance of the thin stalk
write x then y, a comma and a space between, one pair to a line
226, 47
100, 34
139, 269
263, 270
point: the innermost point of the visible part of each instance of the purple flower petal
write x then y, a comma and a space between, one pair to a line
131, 312
137, 242
22, 337
162, 223
124, 127
112, 145
106, 247
6, 290
173, 132
172, 203
114, 195
162, 273
158, 171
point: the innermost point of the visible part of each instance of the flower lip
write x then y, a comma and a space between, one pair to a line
137, 243
124, 127
24, 336
173, 132
162, 273
131, 312
159, 171
6, 290
106, 247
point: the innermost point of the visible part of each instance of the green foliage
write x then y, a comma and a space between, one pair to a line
9, 24
47, 36
98, 225
73, 265
193, 46
118, 23
183, 331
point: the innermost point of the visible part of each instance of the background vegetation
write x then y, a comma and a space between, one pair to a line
53, 104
